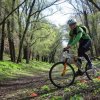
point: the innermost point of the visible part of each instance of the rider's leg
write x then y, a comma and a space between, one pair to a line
79, 72
86, 48
83, 47
88, 60
81, 53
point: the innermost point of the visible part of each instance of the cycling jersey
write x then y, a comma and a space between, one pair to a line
77, 35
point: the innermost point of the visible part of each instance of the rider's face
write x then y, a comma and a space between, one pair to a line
72, 26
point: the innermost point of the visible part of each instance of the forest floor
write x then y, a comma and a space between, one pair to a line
37, 86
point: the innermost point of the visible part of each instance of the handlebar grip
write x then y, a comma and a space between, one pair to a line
66, 50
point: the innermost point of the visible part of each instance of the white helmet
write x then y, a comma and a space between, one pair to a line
71, 21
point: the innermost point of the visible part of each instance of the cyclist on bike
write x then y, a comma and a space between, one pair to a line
78, 34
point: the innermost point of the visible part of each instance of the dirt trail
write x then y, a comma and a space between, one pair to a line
7, 87
21, 88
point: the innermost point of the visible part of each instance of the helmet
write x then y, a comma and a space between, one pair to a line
71, 21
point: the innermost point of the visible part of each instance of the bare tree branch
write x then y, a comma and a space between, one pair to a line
91, 1
12, 12
44, 17
39, 38
44, 8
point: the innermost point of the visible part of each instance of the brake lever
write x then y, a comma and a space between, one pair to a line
66, 50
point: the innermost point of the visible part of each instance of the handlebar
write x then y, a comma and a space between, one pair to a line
66, 50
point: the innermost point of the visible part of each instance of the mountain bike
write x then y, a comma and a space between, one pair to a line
62, 73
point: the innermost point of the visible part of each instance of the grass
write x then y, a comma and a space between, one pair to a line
77, 91
12, 70
45, 88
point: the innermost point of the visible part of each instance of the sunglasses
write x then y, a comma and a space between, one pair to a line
72, 24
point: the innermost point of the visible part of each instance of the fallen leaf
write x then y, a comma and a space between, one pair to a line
34, 95
83, 81
98, 77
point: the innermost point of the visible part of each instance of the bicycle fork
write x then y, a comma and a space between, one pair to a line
64, 69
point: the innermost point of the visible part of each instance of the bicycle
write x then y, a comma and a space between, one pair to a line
62, 73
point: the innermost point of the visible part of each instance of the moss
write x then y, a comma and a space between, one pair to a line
12, 70
45, 88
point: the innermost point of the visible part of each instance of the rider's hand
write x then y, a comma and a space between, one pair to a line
65, 49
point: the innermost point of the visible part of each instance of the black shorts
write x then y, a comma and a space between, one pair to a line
84, 46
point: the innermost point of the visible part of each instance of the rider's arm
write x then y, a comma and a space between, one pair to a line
70, 40
77, 38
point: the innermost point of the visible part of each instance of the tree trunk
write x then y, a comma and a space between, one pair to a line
28, 56
92, 1
32, 55
52, 56
37, 57
11, 43
95, 36
25, 31
12, 31
2, 41
1, 34
28, 53
87, 25
24, 52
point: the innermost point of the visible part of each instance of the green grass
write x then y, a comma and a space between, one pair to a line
12, 70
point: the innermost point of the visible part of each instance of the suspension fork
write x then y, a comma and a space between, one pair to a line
64, 68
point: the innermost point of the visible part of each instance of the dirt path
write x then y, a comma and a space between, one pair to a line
21, 88
9, 87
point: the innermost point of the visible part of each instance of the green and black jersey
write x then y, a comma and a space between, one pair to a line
76, 35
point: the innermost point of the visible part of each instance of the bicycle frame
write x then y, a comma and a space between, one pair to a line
70, 58
65, 71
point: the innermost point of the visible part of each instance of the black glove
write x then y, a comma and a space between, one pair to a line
65, 50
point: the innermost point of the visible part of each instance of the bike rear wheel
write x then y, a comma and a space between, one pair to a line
61, 77
95, 71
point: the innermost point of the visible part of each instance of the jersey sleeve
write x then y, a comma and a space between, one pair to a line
71, 38
78, 37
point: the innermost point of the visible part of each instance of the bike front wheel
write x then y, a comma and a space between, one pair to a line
62, 75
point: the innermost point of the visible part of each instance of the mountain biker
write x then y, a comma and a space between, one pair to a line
78, 34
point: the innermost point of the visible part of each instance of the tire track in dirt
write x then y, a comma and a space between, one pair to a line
7, 87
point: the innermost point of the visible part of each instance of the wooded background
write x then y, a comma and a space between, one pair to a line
25, 33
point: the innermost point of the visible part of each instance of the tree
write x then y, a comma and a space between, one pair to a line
29, 15
95, 4
2, 35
